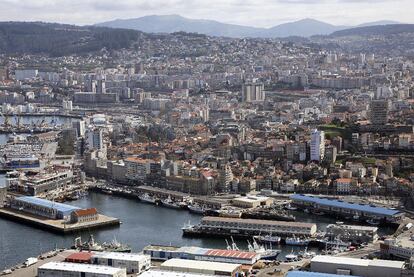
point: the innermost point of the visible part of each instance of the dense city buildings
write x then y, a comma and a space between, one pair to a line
265, 142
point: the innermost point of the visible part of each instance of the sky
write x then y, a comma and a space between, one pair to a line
260, 13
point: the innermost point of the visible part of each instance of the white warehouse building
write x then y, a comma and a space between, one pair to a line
132, 262
357, 267
54, 269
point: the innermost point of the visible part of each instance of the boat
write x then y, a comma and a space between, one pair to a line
291, 257
307, 255
196, 209
296, 241
268, 239
107, 191
290, 207
355, 217
272, 214
169, 203
265, 254
319, 213
147, 198
92, 245
337, 244
233, 213
373, 222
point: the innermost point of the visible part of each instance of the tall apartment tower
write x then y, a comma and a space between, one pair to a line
379, 112
317, 145
95, 139
253, 91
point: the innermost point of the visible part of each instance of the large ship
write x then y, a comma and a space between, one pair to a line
92, 245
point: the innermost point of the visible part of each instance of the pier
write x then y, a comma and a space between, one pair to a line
58, 225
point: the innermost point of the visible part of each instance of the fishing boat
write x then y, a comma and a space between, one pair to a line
307, 255
319, 213
147, 198
291, 257
268, 239
265, 254
373, 222
296, 241
169, 203
233, 213
92, 245
196, 209
290, 207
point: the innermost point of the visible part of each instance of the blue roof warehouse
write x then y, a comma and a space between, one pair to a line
346, 208
42, 207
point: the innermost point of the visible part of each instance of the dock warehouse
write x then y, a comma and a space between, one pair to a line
313, 274
257, 226
42, 207
347, 208
201, 267
252, 201
54, 269
162, 273
132, 262
164, 253
352, 233
359, 267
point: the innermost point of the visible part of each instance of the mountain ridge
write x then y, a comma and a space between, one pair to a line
307, 27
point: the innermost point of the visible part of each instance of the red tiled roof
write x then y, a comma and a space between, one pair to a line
231, 254
79, 257
86, 212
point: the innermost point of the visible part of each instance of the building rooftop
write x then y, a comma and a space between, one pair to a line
80, 256
358, 262
346, 205
252, 198
203, 265
259, 221
312, 274
76, 267
46, 203
231, 254
120, 256
161, 273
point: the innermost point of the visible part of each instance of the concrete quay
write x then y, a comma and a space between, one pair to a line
57, 226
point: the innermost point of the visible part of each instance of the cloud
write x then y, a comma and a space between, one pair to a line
263, 13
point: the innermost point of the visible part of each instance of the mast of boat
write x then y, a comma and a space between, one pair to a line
228, 245
233, 244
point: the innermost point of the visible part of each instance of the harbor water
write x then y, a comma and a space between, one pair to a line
142, 224
33, 121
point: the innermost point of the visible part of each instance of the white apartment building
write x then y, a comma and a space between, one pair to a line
317, 147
